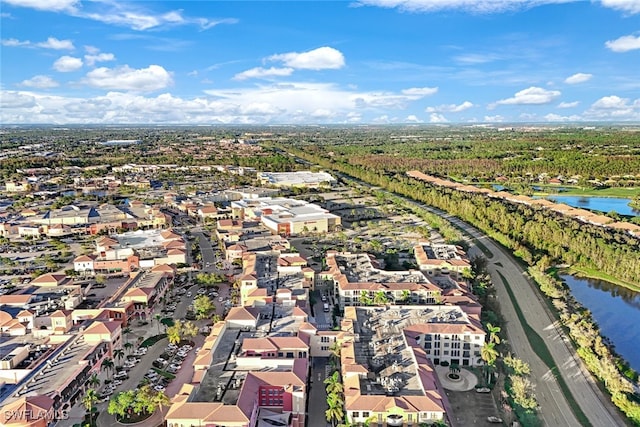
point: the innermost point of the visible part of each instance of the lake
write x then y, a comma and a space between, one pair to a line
615, 309
602, 204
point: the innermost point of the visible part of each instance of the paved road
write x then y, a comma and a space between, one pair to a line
555, 410
320, 369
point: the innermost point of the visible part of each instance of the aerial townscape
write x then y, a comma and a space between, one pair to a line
416, 213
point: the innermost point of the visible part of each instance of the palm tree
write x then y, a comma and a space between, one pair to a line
334, 350
334, 386
380, 298
335, 412
493, 333
489, 354
365, 299
128, 346
160, 399
107, 365
406, 295
118, 354
126, 331
90, 399
94, 381
158, 317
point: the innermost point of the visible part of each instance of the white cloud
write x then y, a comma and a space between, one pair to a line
450, 108
54, 43
90, 60
437, 118
16, 100
412, 119
149, 79
120, 13
40, 82
551, 117
614, 108
321, 58
568, 104
477, 58
291, 102
15, 43
91, 50
627, 6
624, 44
472, 6
46, 5
260, 72
420, 91
578, 78
531, 96
66, 64
496, 118
50, 43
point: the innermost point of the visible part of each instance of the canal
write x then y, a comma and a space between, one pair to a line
615, 309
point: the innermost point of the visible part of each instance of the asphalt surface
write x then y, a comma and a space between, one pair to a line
554, 408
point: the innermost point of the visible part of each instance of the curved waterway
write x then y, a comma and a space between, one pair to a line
602, 204
615, 309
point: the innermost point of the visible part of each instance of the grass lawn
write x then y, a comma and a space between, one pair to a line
591, 273
541, 349
152, 340
165, 374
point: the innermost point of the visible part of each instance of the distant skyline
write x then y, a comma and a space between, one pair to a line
319, 62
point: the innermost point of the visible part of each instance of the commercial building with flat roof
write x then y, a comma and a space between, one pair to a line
296, 179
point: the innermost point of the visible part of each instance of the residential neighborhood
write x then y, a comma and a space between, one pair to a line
99, 319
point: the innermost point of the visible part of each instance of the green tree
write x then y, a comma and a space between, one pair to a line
380, 298
161, 400
365, 299
118, 354
203, 307
174, 333
94, 381
189, 330
493, 333
406, 296
121, 403
333, 384
517, 366
89, 400
128, 346
107, 365
335, 412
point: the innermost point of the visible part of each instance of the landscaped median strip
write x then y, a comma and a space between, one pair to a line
541, 349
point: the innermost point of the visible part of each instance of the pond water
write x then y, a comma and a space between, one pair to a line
615, 309
602, 204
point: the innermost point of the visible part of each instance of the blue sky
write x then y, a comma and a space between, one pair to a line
369, 61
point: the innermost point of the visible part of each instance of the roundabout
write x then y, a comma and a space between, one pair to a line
466, 379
